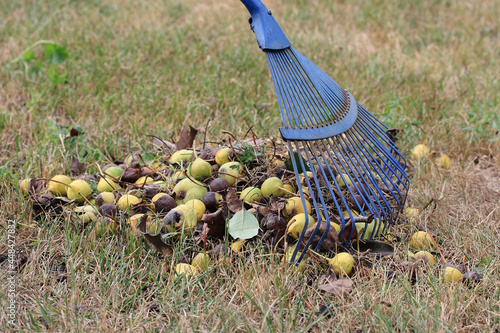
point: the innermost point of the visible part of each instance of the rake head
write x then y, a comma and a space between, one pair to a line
347, 161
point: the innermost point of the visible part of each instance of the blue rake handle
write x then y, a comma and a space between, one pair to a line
269, 34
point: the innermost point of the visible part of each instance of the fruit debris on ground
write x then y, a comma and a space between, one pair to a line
210, 195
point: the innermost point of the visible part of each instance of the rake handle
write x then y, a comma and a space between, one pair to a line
269, 34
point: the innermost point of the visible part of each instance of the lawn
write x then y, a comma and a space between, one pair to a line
122, 71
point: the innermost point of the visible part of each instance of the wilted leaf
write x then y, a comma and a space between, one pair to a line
155, 240
331, 240
393, 134
75, 131
216, 224
298, 158
243, 225
161, 144
77, 168
186, 138
338, 287
375, 248
36, 186
276, 204
233, 200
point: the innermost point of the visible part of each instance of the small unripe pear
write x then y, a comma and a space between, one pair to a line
185, 269
421, 240
58, 185
198, 206
419, 151
342, 263
126, 201
231, 171
441, 159
114, 171
106, 185
343, 180
199, 169
425, 256
183, 155
224, 156
452, 274
298, 223
251, 195
272, 186
24, 185
104, 198
294, 206
143, 181
201, 261
105, 225
88, 217
181, 218
79, 190
186, 190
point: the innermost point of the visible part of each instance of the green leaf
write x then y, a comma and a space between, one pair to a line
298, 158
29, 55
55, 54
147, 158
55, 77
243, 225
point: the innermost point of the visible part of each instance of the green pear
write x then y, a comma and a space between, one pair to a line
224, 155
251, 195
199, 169
126, 201
372, 227
272, 186
198, 206
88, 217
231, 171
24, 185
79, 190
106, 185
181, 218
186, 190
58, 185
114, 172
105, 198
183, 155
201, 261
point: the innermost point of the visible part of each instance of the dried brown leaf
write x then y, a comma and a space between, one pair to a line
276, 204
74, 132
36, 186
233, 200
216, 224
155, 240
161, 144
375, 248
77, 168
339, 287
186, 138
331, 240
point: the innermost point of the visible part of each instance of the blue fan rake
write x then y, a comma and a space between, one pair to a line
355, 166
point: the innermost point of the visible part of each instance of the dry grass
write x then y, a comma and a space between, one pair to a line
429, 68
